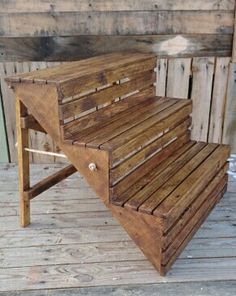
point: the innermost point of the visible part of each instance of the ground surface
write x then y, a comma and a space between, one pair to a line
74, 247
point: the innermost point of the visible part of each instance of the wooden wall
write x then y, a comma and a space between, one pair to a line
49, 30
192, 39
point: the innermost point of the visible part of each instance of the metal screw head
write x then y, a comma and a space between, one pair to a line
92, 166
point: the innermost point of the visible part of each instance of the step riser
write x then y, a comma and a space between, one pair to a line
191, 224
206, 212
170, 235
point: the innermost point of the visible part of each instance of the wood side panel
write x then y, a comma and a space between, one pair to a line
118, 23
46, 113
72, 48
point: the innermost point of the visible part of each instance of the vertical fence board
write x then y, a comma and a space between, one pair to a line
3, 138
229, 130
179, 71
161, 72
203, 70
7, 69
218, 100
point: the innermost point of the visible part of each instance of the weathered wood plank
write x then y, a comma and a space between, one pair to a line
3, 143
200, 288
106, 252
116, 23
218, 100
54, 6
179, 71
161, 71
78, 47
130, 272
203, 70
229, 130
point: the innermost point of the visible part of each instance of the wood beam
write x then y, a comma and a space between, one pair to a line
49, 181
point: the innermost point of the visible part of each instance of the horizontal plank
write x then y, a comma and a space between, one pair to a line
200, 288
138, 82
79, 47
116, 23
101, 115
53, 6
65, 220
125, 272
106, 252
147, 152
54, 207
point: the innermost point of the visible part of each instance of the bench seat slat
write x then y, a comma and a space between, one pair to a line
144, 154
122, 122
105, 95
143, 175
183, 106
133, 119
159, 181
175, 204
171, 184
99, 116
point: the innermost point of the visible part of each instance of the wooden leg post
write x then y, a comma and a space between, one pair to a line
23, 164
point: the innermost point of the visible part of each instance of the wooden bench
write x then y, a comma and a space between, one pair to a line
133, 148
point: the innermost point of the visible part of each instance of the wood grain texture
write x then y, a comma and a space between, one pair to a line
218, 100
3, 144
209, 258
230, 121
69, 48
54, 6
179, 71
23, 163
203, 69
116, 23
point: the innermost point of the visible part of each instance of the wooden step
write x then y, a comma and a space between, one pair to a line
166, 190
132, 147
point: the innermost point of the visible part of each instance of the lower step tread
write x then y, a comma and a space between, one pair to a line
172, 187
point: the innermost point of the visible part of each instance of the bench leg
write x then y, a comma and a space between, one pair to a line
23, 164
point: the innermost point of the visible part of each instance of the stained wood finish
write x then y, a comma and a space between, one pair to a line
23, 164
49, 182
138, 157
